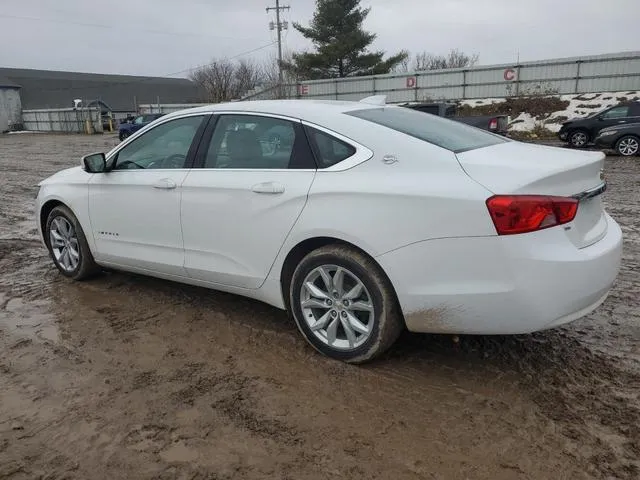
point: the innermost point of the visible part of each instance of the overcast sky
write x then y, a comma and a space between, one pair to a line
162, 37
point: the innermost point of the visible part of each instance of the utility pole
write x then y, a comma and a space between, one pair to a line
279, 26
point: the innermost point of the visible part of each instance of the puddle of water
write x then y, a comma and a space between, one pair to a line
28, 319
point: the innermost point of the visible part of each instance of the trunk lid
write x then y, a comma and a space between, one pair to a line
519, 168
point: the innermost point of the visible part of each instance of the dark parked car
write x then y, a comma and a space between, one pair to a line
128, 128
492, 123
624, 139
579, 132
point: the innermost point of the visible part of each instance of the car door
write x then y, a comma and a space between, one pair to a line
239, 206
134, 208
619, 115
634, 113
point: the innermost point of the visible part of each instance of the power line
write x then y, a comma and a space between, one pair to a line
116, 27
228, 58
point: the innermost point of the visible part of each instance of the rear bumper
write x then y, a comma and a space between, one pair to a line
502, 285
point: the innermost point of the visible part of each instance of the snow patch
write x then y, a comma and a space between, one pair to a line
522, 123
580, 106
19, 132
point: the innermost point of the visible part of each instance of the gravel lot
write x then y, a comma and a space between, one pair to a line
130, 377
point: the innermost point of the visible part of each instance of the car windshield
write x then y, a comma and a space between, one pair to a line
444, 133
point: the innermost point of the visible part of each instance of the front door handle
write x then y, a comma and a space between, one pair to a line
268, 187
165, 184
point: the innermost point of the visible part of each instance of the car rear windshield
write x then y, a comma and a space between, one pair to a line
444, 133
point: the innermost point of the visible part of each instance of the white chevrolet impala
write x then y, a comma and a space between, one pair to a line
360, 219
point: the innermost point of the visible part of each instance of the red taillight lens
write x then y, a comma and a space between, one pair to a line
527, 213
493, 124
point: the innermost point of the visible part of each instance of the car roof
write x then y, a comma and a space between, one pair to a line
312, 110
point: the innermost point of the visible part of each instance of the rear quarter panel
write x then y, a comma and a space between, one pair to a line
380, 206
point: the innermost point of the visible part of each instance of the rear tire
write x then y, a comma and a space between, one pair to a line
344, 304
68, 245
628, 146
578, 139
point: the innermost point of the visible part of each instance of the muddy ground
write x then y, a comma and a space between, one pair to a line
125, 377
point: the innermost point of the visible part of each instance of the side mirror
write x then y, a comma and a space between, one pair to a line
95, 163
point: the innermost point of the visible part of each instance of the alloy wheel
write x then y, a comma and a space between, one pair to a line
64, 244
337, 307
628, 146
579, 139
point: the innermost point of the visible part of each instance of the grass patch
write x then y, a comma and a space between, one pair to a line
533, 105
539, 132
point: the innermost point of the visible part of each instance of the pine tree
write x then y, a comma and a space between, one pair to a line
341, 44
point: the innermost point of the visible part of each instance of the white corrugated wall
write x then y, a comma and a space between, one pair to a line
610, 72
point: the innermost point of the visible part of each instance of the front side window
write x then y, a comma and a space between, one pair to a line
165, 146
252, 141
139, 120
454, 136
616, 112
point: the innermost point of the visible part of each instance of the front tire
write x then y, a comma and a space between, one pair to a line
344, 304
68, 245
578, 139
628, 146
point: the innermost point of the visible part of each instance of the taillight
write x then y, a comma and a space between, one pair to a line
493, 124
527, 213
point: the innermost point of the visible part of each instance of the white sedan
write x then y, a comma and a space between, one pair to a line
360, 219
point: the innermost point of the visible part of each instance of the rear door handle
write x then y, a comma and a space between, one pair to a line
268, 187
165, 184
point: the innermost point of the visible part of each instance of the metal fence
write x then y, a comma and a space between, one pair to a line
166, 107
67, 120
600, 73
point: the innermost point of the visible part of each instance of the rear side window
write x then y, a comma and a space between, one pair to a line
328, 149
444, 133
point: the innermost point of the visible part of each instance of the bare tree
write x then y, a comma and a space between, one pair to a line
223, 80
403, 66
248, 75
271, 76
455, 59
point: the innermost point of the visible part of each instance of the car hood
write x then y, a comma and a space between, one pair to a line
573, 121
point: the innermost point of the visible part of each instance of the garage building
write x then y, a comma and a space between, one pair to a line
10, 107
37, 89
